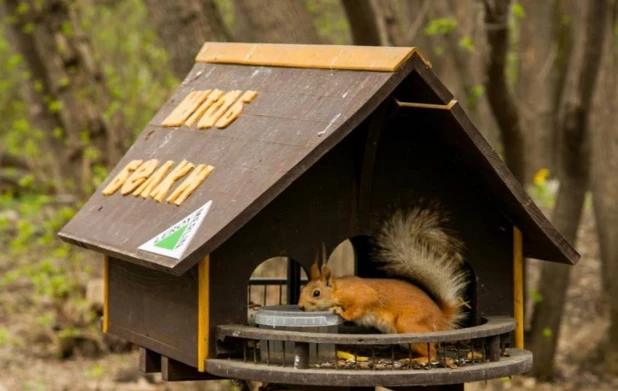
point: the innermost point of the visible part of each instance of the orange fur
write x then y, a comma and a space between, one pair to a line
390, 305
414, 247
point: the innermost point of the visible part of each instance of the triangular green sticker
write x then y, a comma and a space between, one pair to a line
170, 242
174, 241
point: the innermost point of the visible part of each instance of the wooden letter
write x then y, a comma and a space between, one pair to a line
236, 109
179, 115
217, 110
212, 98
139, 176
122, 176
164, 187
153, 180
189, 185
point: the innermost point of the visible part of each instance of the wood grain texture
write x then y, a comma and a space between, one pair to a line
155, 310
299, 116
360, 58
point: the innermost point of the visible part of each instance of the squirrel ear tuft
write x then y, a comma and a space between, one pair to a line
327, 276
324, 256
314, 273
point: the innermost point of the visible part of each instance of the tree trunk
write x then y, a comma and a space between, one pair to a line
604, 184
392, 21
274, 21
183, 26
363, 22
413, 19
537, 52
66, 94
563, 35
572, 123
499, 94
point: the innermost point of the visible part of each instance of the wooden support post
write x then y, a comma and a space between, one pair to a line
518, 283
203, 323
494, 348
172, 370
149, 361
293, 282
105, 293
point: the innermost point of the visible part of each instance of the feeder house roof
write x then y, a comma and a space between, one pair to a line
246, 122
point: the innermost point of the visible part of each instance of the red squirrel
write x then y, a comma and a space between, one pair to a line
411, 247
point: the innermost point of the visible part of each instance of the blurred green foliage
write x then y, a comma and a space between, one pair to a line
50, 275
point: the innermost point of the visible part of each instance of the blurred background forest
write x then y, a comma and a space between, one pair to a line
80, 78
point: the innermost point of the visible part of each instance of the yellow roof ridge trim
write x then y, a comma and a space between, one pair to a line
343, 57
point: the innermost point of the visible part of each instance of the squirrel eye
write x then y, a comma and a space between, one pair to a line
316, 293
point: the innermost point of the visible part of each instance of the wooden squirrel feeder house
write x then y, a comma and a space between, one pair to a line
270, 150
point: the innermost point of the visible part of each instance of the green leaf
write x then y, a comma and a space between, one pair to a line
518, 10
547, 332
26, 180
95, 372
55, 106
441, 26
28, 28
536, 296
22, 8
4, 336
466, 43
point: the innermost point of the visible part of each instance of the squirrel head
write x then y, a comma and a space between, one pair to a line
319, 293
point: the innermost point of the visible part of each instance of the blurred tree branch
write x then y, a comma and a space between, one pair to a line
418, 17
9, 160
499, 95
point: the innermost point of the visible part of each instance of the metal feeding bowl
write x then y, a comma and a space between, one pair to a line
291, 318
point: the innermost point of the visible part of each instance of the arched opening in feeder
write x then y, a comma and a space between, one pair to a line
342, 261
274, 282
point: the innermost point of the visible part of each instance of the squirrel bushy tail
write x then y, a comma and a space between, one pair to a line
414, 245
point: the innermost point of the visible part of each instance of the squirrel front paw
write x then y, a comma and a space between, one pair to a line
337, 310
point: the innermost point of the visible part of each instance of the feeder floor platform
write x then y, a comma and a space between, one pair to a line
517, 362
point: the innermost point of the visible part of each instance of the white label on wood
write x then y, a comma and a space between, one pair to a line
174, 241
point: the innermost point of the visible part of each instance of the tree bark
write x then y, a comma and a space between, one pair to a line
414, 19
183, 26
572, 123
537, 52
392, 21
604, 183
363, 22
274, 21
499, 94
66, 94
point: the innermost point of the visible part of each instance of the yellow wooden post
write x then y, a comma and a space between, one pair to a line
203, 313
518, 273
105, 293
